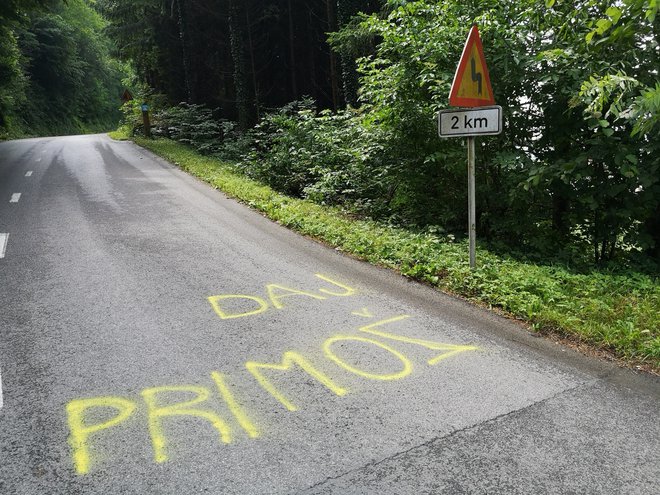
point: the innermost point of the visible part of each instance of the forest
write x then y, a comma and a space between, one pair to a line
336, 102
57, 72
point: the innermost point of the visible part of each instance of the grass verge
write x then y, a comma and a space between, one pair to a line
121, 134
614, 313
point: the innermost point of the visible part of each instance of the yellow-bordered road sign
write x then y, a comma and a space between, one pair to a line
471, 86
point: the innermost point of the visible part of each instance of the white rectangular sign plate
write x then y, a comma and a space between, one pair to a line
481, 121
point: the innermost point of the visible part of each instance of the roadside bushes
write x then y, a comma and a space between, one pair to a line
329, 158
187, 123
377, 165
351, 159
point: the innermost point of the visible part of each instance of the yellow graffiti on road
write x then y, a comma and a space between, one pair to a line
223, 307
450, 349
356, 357
348, 291
363, 312
234, 407
288, 359
226, 315
80, 431
327, 349
156, 413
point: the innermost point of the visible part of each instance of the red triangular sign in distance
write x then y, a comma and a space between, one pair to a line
471, 86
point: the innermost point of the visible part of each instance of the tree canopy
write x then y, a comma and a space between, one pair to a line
56, 71
240, 56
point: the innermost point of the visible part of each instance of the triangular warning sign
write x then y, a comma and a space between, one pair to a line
471, 86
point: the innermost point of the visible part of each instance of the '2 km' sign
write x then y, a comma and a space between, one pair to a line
482, 121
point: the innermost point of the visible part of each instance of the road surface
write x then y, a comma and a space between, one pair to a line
158, 337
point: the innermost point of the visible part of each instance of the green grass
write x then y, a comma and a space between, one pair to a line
121, 134
617, 313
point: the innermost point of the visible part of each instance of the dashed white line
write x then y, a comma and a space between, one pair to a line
15, 197
3, 244
28, 173
0, 390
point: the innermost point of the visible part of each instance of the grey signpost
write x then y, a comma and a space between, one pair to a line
472, 208
469, 123
477, 116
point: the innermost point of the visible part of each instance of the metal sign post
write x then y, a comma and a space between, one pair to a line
468, 122
472, 209
471, 88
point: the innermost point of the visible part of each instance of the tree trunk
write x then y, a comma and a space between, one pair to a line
255, 85
311, 52
238, 56
292, 53
181, 21
560, 206
334, 79
652, 228
346, 9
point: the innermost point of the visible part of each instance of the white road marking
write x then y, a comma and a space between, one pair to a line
3, 244
28, 173
38, 159
15, 197
0, 390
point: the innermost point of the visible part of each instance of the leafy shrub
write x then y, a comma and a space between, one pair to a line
329, 158
189, 124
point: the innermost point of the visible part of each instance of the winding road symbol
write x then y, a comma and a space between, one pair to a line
476, 76
471, 86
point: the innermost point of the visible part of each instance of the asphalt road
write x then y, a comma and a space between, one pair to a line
158, 337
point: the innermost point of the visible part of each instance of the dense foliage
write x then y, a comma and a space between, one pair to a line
240, 56
56, 73
578, 167
575, 176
